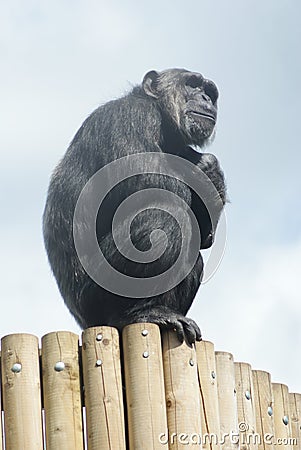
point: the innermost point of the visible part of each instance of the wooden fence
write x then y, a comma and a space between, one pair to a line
157, 395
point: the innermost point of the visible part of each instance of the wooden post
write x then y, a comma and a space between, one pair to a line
103, 389
264, 409
209, 397
21, 392
144, 386
227, 400
245, 407
1, 424
282, 422
62, 391
295, 410
182, 394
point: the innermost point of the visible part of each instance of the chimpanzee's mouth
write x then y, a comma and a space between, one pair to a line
203, 114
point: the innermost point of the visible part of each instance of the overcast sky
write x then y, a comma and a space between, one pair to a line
61, 59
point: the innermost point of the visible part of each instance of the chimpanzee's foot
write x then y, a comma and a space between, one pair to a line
169, 319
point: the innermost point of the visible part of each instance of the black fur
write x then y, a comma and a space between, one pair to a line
168, 112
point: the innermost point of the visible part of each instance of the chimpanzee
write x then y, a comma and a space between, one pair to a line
146, 139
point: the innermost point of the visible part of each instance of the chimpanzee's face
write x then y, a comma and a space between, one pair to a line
188, 98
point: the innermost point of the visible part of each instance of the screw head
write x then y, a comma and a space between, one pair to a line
17, 367
191, 362
270, 411
145, 354
99, 337
248, 395
144, 332
213, 375
98, 362
59, 366
285, 420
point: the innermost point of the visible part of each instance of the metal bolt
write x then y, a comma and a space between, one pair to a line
144, 332
145, 354
213, 375
98, 362
99, 337
59, 366
248, 395
191, 362
285, 420
17, 367
270, 411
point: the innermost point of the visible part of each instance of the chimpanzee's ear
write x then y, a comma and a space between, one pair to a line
150, 83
